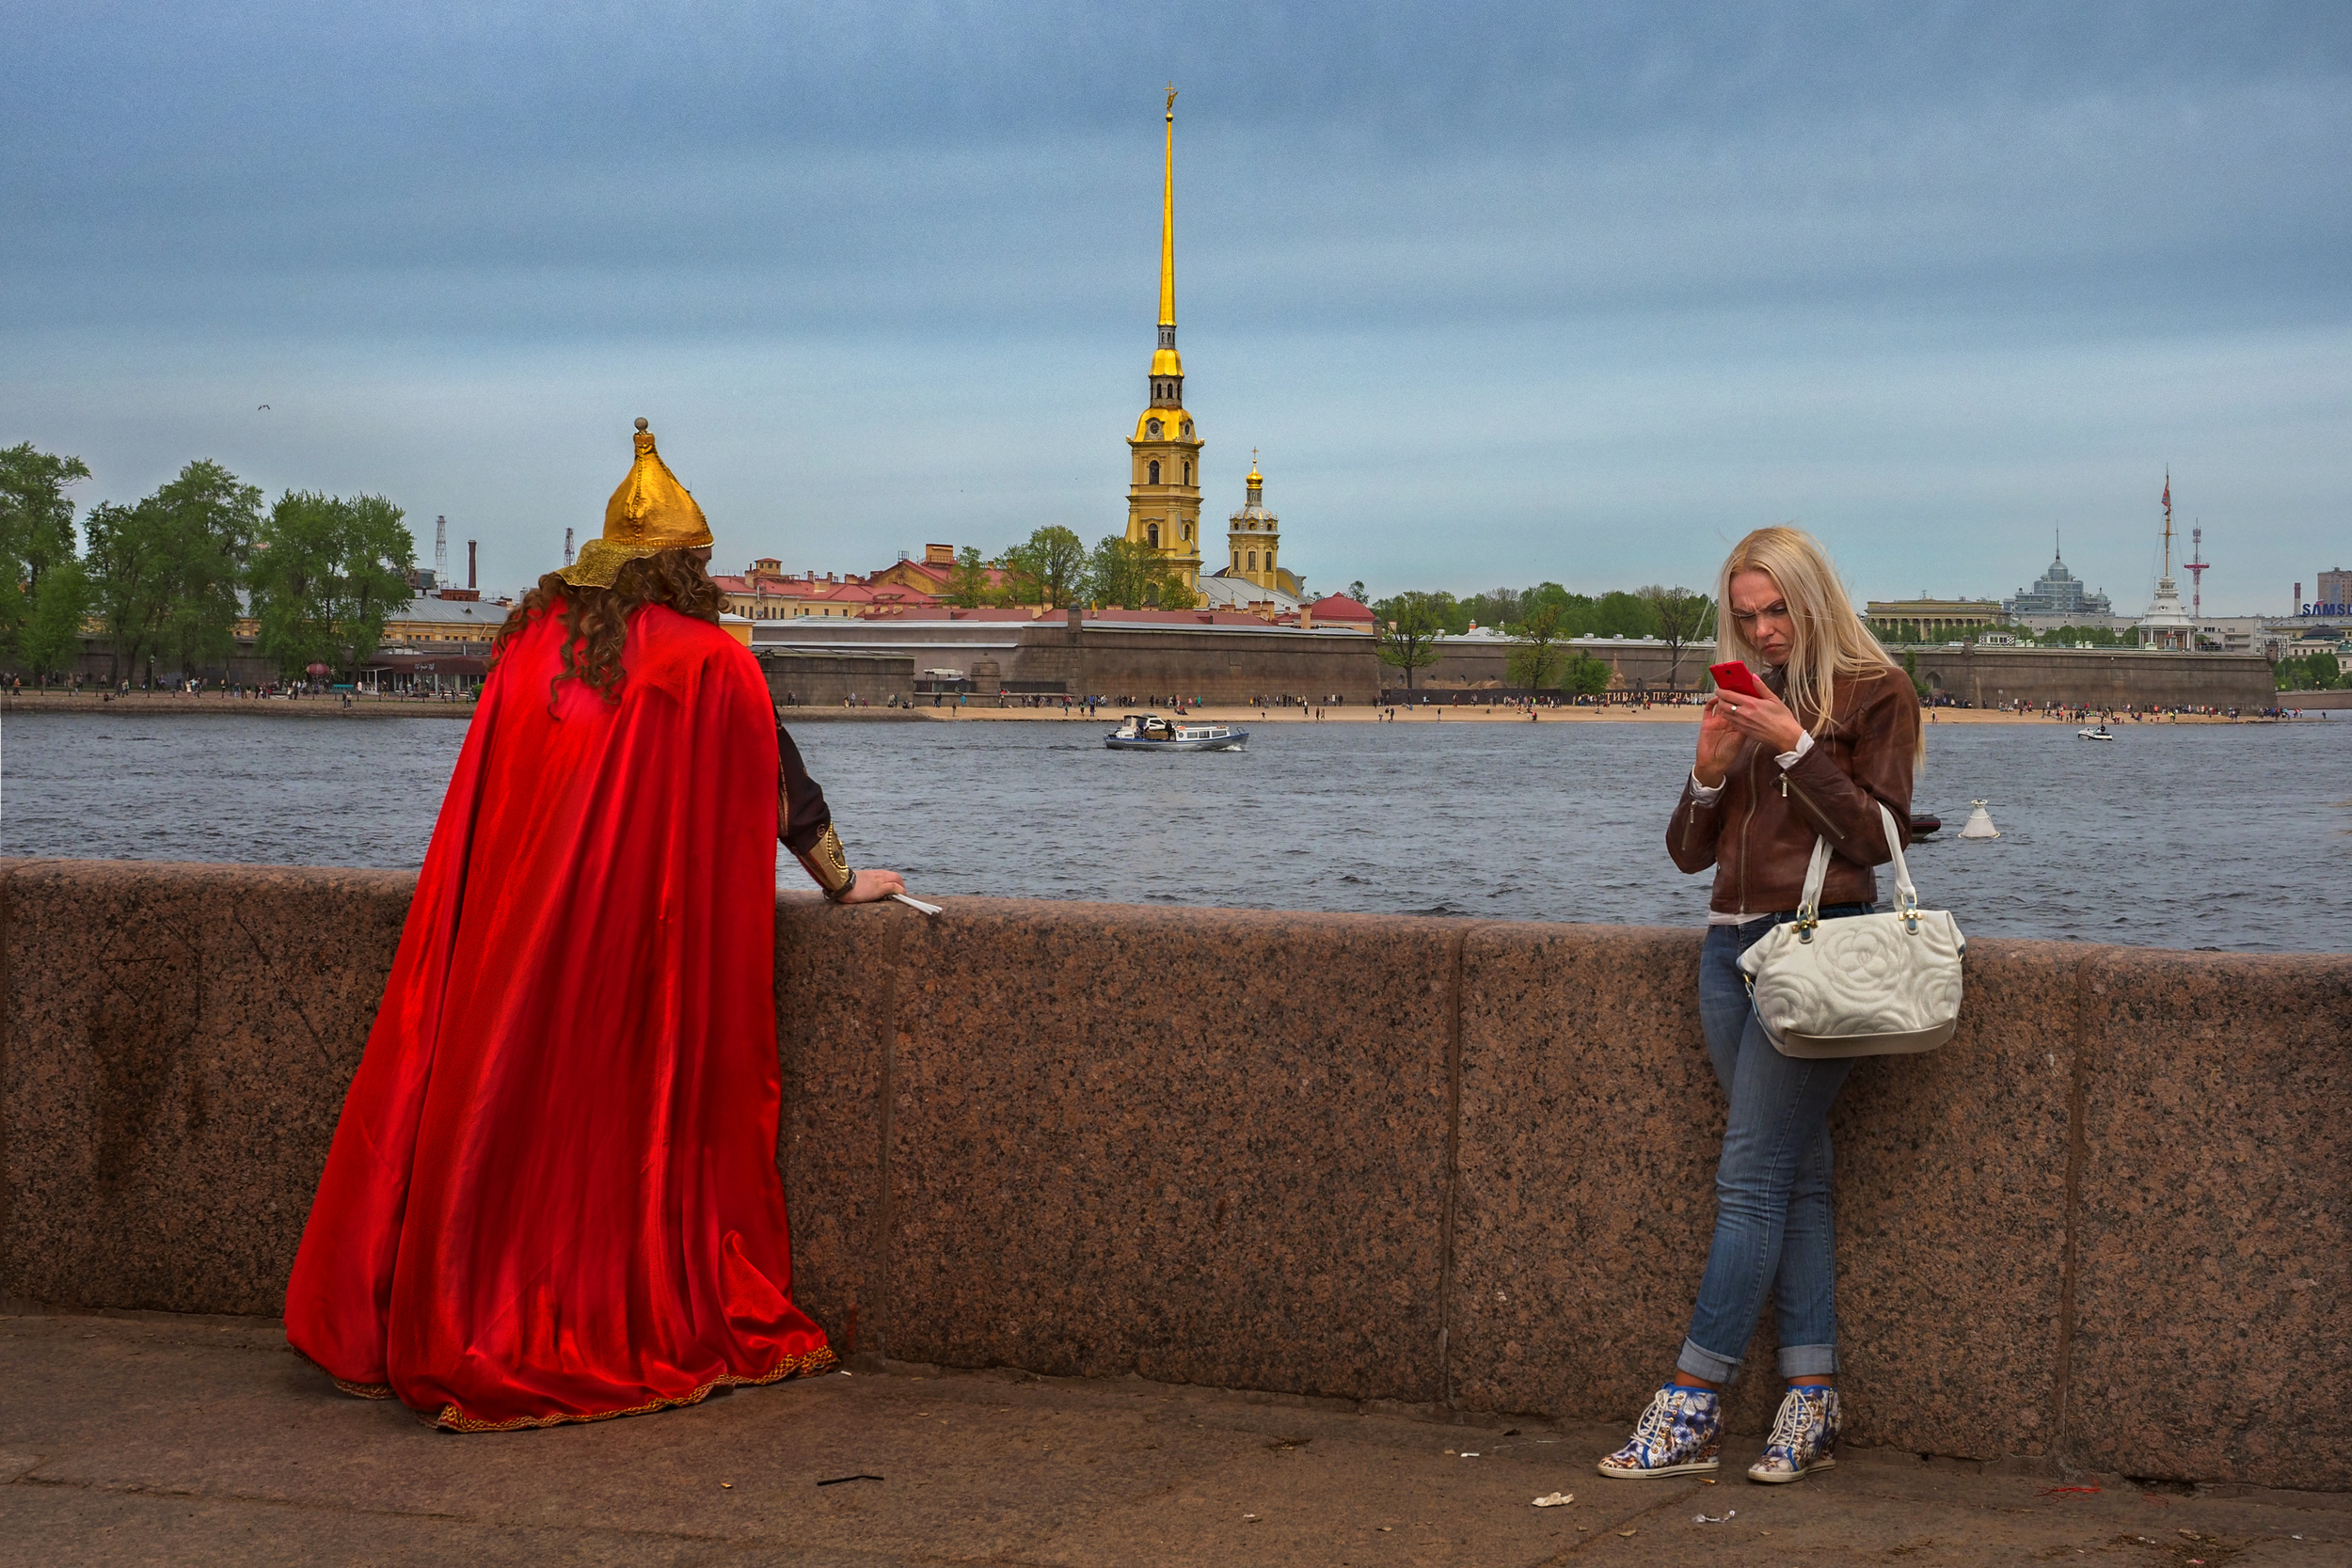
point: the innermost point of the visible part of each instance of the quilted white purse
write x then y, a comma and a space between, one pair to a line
1868, 985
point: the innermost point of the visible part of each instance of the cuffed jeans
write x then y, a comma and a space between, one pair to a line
1772, 1226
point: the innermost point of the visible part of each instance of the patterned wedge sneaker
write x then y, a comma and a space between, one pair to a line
1805, 1436
1680, 1433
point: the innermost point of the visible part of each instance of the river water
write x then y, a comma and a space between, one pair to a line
2229, 837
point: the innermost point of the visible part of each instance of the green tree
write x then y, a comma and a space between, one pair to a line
1356, 591
1678, 617
326, 573
1453, 616
210, 519
2309, 672
1586, 676
131, 580
165, 573
291, 581
1497, 607
1536, 656
51, 635
377, 553
1133, 575
968, 585
35, 526
1047, 568
1410, 625
1618, 613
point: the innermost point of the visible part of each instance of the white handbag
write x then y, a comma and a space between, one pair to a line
1868, 985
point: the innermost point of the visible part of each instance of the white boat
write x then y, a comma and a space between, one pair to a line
1148, 731
2099, 734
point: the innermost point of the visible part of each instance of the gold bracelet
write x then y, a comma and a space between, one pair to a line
829, 866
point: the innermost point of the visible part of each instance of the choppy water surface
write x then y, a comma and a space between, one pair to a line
2226, 838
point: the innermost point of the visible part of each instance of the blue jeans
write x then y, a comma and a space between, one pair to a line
1772, 1223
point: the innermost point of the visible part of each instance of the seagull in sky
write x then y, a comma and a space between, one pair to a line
263, 409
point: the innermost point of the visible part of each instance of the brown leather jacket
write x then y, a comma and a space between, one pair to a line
1759, 833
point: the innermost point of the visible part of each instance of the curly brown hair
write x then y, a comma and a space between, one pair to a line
595, 620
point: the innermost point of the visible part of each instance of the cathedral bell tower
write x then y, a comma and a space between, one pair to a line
1164, 454
1254, 535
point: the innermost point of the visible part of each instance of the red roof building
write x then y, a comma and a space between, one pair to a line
764, 592
1341, 612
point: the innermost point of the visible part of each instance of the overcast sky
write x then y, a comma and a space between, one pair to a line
1501, 293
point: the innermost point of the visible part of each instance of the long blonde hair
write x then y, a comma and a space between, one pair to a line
1827, 638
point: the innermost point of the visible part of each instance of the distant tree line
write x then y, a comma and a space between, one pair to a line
2057, 637
1054, 568
2319, 671
1538, 620
166, 580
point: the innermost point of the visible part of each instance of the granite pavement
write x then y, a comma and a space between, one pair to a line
153, 1437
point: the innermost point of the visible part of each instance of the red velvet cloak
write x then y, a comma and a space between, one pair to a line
553, 1193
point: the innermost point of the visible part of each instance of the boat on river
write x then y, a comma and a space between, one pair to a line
2099, 734
1150, 732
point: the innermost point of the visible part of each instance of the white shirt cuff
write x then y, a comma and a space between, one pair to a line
1701, 794
1790, 758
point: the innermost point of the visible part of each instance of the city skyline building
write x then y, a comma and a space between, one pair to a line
1164, 453
2057, 591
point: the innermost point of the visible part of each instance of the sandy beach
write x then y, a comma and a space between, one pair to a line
984, 710
1247, 717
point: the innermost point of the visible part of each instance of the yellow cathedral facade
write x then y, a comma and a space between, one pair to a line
1164, 454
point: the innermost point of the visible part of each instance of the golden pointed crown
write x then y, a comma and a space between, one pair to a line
650, 512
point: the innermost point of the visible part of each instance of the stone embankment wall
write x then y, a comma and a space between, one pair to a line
1226, 665
1455, 1165
1988, 677
826, 680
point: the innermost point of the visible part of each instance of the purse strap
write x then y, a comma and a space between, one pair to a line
1817, 872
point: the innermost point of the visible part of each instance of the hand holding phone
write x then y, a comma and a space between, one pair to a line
1738, 679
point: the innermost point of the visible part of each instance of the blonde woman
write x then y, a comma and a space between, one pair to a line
1836, 734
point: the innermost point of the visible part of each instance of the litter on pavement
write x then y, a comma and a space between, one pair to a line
1557, 1499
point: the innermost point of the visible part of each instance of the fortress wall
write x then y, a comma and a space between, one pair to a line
1447, 1162
1237, 665
1223, 665
1991, 677
823, 680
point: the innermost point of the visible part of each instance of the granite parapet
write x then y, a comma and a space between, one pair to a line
1447, 1164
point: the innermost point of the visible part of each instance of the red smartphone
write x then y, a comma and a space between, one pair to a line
1736, 678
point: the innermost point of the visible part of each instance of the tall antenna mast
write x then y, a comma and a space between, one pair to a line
2168, 522
440, 552
567, 546
2195, 565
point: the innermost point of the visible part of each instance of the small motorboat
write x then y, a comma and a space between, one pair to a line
1921, 827
2099, 734
1148, 731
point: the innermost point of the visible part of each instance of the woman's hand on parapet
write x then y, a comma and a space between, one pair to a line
1719, 745
1766, 718
873, 885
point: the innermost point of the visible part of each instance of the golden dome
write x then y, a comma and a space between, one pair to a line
650, 512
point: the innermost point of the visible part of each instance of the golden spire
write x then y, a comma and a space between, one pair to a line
1168, 219
1167, 366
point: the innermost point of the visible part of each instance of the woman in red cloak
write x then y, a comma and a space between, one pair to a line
553, 1195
